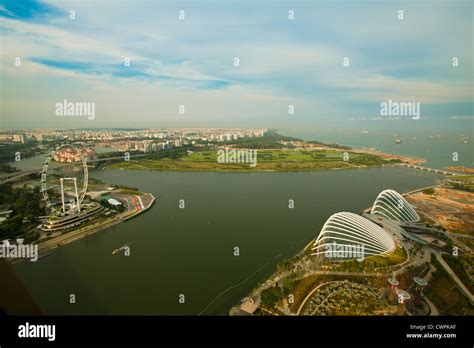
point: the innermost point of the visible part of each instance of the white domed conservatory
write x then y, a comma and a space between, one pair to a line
391, 205
349, 229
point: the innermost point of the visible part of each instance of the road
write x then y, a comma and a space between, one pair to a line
459, 283
73, 235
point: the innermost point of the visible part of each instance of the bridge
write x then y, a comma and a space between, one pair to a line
6, 177
115, 158
15, 175
426, 169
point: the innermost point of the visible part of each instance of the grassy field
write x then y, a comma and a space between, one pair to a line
267, 160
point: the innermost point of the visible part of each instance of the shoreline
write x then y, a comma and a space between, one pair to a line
298, 159
252, 170
68, 237
275, 275
246, 171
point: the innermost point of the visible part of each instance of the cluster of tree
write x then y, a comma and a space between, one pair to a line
6, 168
284, 265
270, 296
117, 154
125, 187
429, 191
8, 151
462, 187
366, 159
287, 285
354, 266
457, 265
25, 205
173, 153
333, 145
120, 157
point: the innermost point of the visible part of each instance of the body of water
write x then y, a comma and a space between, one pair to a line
440, 147
190, 251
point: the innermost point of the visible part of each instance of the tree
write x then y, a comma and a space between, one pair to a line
287, 285
270, 296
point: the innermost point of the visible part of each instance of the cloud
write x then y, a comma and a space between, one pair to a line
191, 61
28, 9
137, 70
5, 11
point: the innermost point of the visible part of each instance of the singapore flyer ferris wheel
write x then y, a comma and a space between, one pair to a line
65, 156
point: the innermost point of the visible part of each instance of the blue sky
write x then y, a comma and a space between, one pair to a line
190, 61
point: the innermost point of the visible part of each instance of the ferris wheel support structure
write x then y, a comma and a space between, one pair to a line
79, 194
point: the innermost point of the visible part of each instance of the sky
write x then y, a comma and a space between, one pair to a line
190, 61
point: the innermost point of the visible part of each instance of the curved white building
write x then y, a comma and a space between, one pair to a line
348, 230
391, 205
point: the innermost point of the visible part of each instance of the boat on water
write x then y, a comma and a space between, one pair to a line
122, 248
398, 141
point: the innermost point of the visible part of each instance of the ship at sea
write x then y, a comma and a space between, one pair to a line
122, 248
